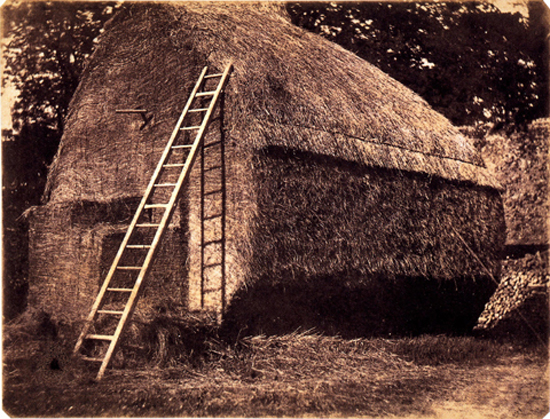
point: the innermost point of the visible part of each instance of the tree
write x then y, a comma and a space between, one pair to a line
469, 61
45, 45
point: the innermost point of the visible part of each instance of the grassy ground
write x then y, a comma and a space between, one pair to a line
292, 375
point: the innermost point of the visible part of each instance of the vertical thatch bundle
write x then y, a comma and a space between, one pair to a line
335, 175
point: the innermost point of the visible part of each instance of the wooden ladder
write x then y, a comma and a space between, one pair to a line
117, 298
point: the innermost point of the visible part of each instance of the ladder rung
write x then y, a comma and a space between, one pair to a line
90, 359
120, 289
147, 206
100, 337
190, 128
211, 217
211, 144
211, 265
129, 268
138, 246
198, 110
211, 76
164, 185
209, 169
212, 242
176, 147
147, 225
114, 312
174, 165
211, 290
213, 192
205, 94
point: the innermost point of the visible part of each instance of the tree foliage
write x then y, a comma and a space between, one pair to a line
47, 44
471, 62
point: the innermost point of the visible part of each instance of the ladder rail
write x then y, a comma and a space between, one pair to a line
130, 305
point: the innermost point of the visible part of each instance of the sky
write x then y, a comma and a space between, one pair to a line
511, 6
9, 94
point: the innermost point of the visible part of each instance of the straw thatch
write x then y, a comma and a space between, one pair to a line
332, 171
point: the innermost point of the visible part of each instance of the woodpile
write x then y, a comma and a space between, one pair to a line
519, 307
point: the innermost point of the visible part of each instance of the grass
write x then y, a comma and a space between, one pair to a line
298, 374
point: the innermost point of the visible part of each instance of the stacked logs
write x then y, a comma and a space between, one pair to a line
519, 307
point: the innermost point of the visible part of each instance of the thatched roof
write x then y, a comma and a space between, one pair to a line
289, 88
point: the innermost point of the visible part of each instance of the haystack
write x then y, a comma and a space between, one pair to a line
346, 198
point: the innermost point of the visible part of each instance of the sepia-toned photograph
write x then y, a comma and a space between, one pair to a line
275, 209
